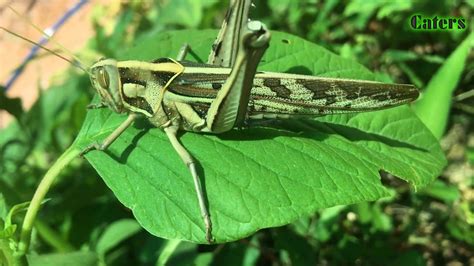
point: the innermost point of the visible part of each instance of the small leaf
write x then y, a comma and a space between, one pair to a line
442, 191
3, 207
327, 223
9, 227
263, 176
204, 259
187, 13
116, 233
168, 250
7, 254
16, 209
79, 258
411, 257
391, 8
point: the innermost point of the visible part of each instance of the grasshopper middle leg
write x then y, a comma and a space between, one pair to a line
183, 51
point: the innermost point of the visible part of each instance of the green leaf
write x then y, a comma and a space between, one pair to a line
433, 108
326, 223
363, 11
3, 207
470, 154
10, 228
115, 234
262, 176
391, 8
204, 259
461, 230
382, 221
168, 250
393, 55
186, 253
442, 191
187, 13
8, 256
79, 258
411, 257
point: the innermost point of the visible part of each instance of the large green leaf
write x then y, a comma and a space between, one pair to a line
263, 176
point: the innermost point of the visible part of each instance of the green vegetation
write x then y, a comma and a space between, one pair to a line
371, 188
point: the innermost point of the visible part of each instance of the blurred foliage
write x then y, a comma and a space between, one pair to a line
84, 224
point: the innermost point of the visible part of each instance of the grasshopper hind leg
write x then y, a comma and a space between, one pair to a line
191, 164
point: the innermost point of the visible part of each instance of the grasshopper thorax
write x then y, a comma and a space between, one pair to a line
105, 79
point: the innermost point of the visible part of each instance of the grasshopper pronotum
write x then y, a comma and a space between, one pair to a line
228, 92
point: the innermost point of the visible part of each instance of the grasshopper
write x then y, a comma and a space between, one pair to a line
228, 92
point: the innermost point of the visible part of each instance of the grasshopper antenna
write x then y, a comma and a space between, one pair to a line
49, 37
74, 63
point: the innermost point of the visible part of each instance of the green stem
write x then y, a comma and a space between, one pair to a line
39, 195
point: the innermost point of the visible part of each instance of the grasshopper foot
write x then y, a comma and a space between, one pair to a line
208, 224
202, 205
93, 146
96, 106
111, 138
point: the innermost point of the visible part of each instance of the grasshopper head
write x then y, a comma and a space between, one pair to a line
105, 79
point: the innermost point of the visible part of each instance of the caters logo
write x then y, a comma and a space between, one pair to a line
419, 22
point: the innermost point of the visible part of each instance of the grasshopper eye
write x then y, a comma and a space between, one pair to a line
103, 78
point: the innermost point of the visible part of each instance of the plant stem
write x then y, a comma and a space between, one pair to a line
39, 195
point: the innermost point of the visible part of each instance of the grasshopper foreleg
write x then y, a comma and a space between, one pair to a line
191, 164
112, 137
